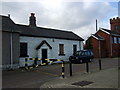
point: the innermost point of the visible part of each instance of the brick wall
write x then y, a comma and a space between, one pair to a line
115, 22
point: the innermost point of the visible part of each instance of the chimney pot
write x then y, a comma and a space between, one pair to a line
9, 15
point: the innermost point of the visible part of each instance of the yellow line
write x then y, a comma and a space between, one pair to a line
62, 73
51, 61
33, 58
39, 59
62, 65
31, 67
58, 60
36, 65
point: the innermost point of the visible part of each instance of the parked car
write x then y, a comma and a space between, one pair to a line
82, 56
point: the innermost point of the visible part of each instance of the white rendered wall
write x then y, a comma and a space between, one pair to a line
33, 42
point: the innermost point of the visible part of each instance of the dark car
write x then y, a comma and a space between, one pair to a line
82, 56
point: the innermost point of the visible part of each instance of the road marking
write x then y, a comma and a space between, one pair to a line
47, 73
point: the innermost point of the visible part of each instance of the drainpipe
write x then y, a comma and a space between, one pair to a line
11, 47
99, 50
11, 50
79, 45
111, 45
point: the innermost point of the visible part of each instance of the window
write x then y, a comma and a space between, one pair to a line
116, 27
74, 49
61, 49
119, 40
114, 39
23, 50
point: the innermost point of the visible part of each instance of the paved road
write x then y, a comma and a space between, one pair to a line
34, 78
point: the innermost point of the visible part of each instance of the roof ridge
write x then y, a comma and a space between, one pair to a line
44, 28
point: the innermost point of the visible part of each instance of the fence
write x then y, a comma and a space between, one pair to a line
43, 62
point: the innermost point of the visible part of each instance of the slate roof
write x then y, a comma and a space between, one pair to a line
7, 23
26, 30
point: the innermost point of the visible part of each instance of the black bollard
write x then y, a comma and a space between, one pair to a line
26, 65
87, 66
35, 62
100, 64
63, 70
70, 68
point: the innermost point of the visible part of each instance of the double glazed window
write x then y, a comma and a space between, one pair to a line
23, 50
119, 40
61, 49
116, 40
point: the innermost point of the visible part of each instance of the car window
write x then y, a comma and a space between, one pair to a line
89, 53
86, 53
82, 53
77, 53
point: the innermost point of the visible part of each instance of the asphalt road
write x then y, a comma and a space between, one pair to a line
34, 78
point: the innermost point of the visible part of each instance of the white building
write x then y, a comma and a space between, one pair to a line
44, 43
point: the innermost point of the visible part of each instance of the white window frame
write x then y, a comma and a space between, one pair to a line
115, 40
119, 40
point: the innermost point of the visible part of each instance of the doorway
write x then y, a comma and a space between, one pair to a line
44, 53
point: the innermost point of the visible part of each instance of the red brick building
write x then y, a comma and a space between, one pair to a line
106, 43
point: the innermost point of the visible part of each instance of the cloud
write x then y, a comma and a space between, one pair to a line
78, 17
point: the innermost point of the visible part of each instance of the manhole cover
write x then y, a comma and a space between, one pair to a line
82, 83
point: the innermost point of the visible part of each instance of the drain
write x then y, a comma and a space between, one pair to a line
82, 83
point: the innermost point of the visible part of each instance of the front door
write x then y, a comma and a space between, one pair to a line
44, 53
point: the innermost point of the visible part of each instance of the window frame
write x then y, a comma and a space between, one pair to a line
23, 52
61, 50
115, 40
119, 40
74, 47
116, 27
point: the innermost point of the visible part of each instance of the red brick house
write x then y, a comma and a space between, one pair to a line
106, 43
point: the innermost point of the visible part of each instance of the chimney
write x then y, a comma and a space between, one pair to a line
32, 20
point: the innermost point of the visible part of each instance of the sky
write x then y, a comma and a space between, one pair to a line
76, 16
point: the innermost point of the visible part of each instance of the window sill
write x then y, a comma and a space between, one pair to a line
61, 54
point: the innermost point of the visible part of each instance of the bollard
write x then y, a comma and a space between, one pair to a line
35, 62
87, 67
100, 64
70, 68
26, 65
63, 70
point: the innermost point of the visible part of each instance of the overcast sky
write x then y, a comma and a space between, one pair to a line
78, 17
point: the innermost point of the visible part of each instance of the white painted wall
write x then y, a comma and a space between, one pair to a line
33, 42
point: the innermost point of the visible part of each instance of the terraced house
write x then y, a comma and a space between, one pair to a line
20, 41
106, 43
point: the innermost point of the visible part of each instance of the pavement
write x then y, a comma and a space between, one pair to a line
107, 78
